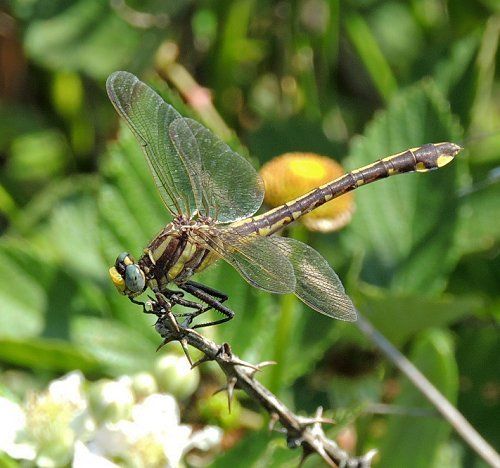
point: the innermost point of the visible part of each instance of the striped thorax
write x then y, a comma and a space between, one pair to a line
175, 254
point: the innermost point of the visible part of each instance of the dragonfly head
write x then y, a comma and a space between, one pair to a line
127, 276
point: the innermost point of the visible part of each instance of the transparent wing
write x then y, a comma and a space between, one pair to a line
193, 169
258, 259
318, 286
149, 118
231, 187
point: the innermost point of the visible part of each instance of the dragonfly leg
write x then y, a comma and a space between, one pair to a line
212, 298
213, 292
199, 308
144, 306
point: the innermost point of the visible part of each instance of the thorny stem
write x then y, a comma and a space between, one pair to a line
300, 431
307, 432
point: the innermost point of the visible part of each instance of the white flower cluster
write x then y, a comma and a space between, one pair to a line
110, 423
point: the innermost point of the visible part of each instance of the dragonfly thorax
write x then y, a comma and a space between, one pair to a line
175, 254
178, 251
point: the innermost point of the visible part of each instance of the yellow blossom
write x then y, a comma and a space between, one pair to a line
291, 175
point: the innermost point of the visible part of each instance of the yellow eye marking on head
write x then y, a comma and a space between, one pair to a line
117, 279
128, 261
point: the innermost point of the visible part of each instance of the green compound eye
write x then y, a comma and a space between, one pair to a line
124, 259
121, 258
134, 278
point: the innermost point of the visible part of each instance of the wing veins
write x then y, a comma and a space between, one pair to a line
218, 244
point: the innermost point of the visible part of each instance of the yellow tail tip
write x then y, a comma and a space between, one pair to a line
448, 152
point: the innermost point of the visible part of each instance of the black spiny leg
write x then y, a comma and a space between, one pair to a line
143, 305
212, 298
213, 292
177, 298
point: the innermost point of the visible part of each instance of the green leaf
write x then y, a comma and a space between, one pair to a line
7, 462
406, 224
22, 292
37, 155
121, 349
349, 395
477, 354
17, 121
61, 224
400, 316
235, 45
456, 75
53, 355
89, 36
401, 38
73, 233
371, 56
413, 442
58, 277
478, 229
308, 337
258, 449
126, 168
121, 229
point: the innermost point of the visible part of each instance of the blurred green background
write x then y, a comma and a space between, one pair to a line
354, 80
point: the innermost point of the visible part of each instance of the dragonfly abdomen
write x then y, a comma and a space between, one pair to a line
421, 159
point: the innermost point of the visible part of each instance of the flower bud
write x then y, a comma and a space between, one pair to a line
214, 410
143, 385
175, 376
110, 400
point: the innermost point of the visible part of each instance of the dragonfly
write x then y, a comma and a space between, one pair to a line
213, 194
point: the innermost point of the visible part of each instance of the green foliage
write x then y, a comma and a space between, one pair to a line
258, 449
433, 354
51, 355
363, 79
406, 226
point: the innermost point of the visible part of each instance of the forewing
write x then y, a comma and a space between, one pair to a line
258, 259
149, 117
318, 286
231, 187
